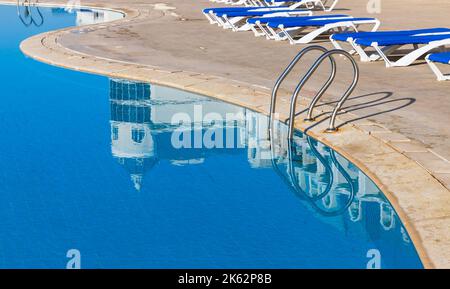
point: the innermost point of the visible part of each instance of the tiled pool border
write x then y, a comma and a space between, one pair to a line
421, 201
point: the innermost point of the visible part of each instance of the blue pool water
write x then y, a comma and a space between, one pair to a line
106, 170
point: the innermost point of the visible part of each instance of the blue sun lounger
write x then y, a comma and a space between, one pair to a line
259, 24
253, 3
238, 2
291, 28
310, 4
387, 45
347, 37
234, 17
292, 5
338, 38
442, 58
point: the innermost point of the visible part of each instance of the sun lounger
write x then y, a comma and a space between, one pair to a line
235, 17
310, 4
296, 29
338, 38
259, 24
236, 20
387, 45
307, 3
236, 2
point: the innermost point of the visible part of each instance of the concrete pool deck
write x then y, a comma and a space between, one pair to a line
396, 125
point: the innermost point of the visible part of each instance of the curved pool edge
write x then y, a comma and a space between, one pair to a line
418, 199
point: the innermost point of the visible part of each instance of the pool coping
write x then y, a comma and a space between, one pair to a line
420, 200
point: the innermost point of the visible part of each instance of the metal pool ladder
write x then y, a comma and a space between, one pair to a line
28, 5
326, 54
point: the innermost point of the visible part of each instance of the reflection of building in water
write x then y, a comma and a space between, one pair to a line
142, 128
88, 16
132, 142
142, 131
259, 154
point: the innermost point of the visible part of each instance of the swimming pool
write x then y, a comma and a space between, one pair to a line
133, 175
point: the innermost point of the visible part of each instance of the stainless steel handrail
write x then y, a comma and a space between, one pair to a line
288, 69
294, 183
308, 75
322, 160
336, 163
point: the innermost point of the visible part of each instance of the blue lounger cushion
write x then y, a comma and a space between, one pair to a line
273, 19
299, 23
355, 35
400, 40
443, 57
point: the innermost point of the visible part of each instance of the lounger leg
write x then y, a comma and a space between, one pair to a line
245, 27
277, 36
323, 6
258, 3
242, 2
229, 24
440, 76
270, 34
376, 25
333, 5
383, 53
210, 19
214, 18
337, 45
233, 22
312, 35
255, 31
220, 22
290, 34
306, 4
261, 28
360, 51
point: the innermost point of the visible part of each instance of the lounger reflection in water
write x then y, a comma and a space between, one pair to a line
308, 28
235, 17
387, 44
442, 58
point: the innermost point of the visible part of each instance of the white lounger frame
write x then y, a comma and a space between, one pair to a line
290, 33
385, 52
232, 23
310, 4
238, 2
439, 74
